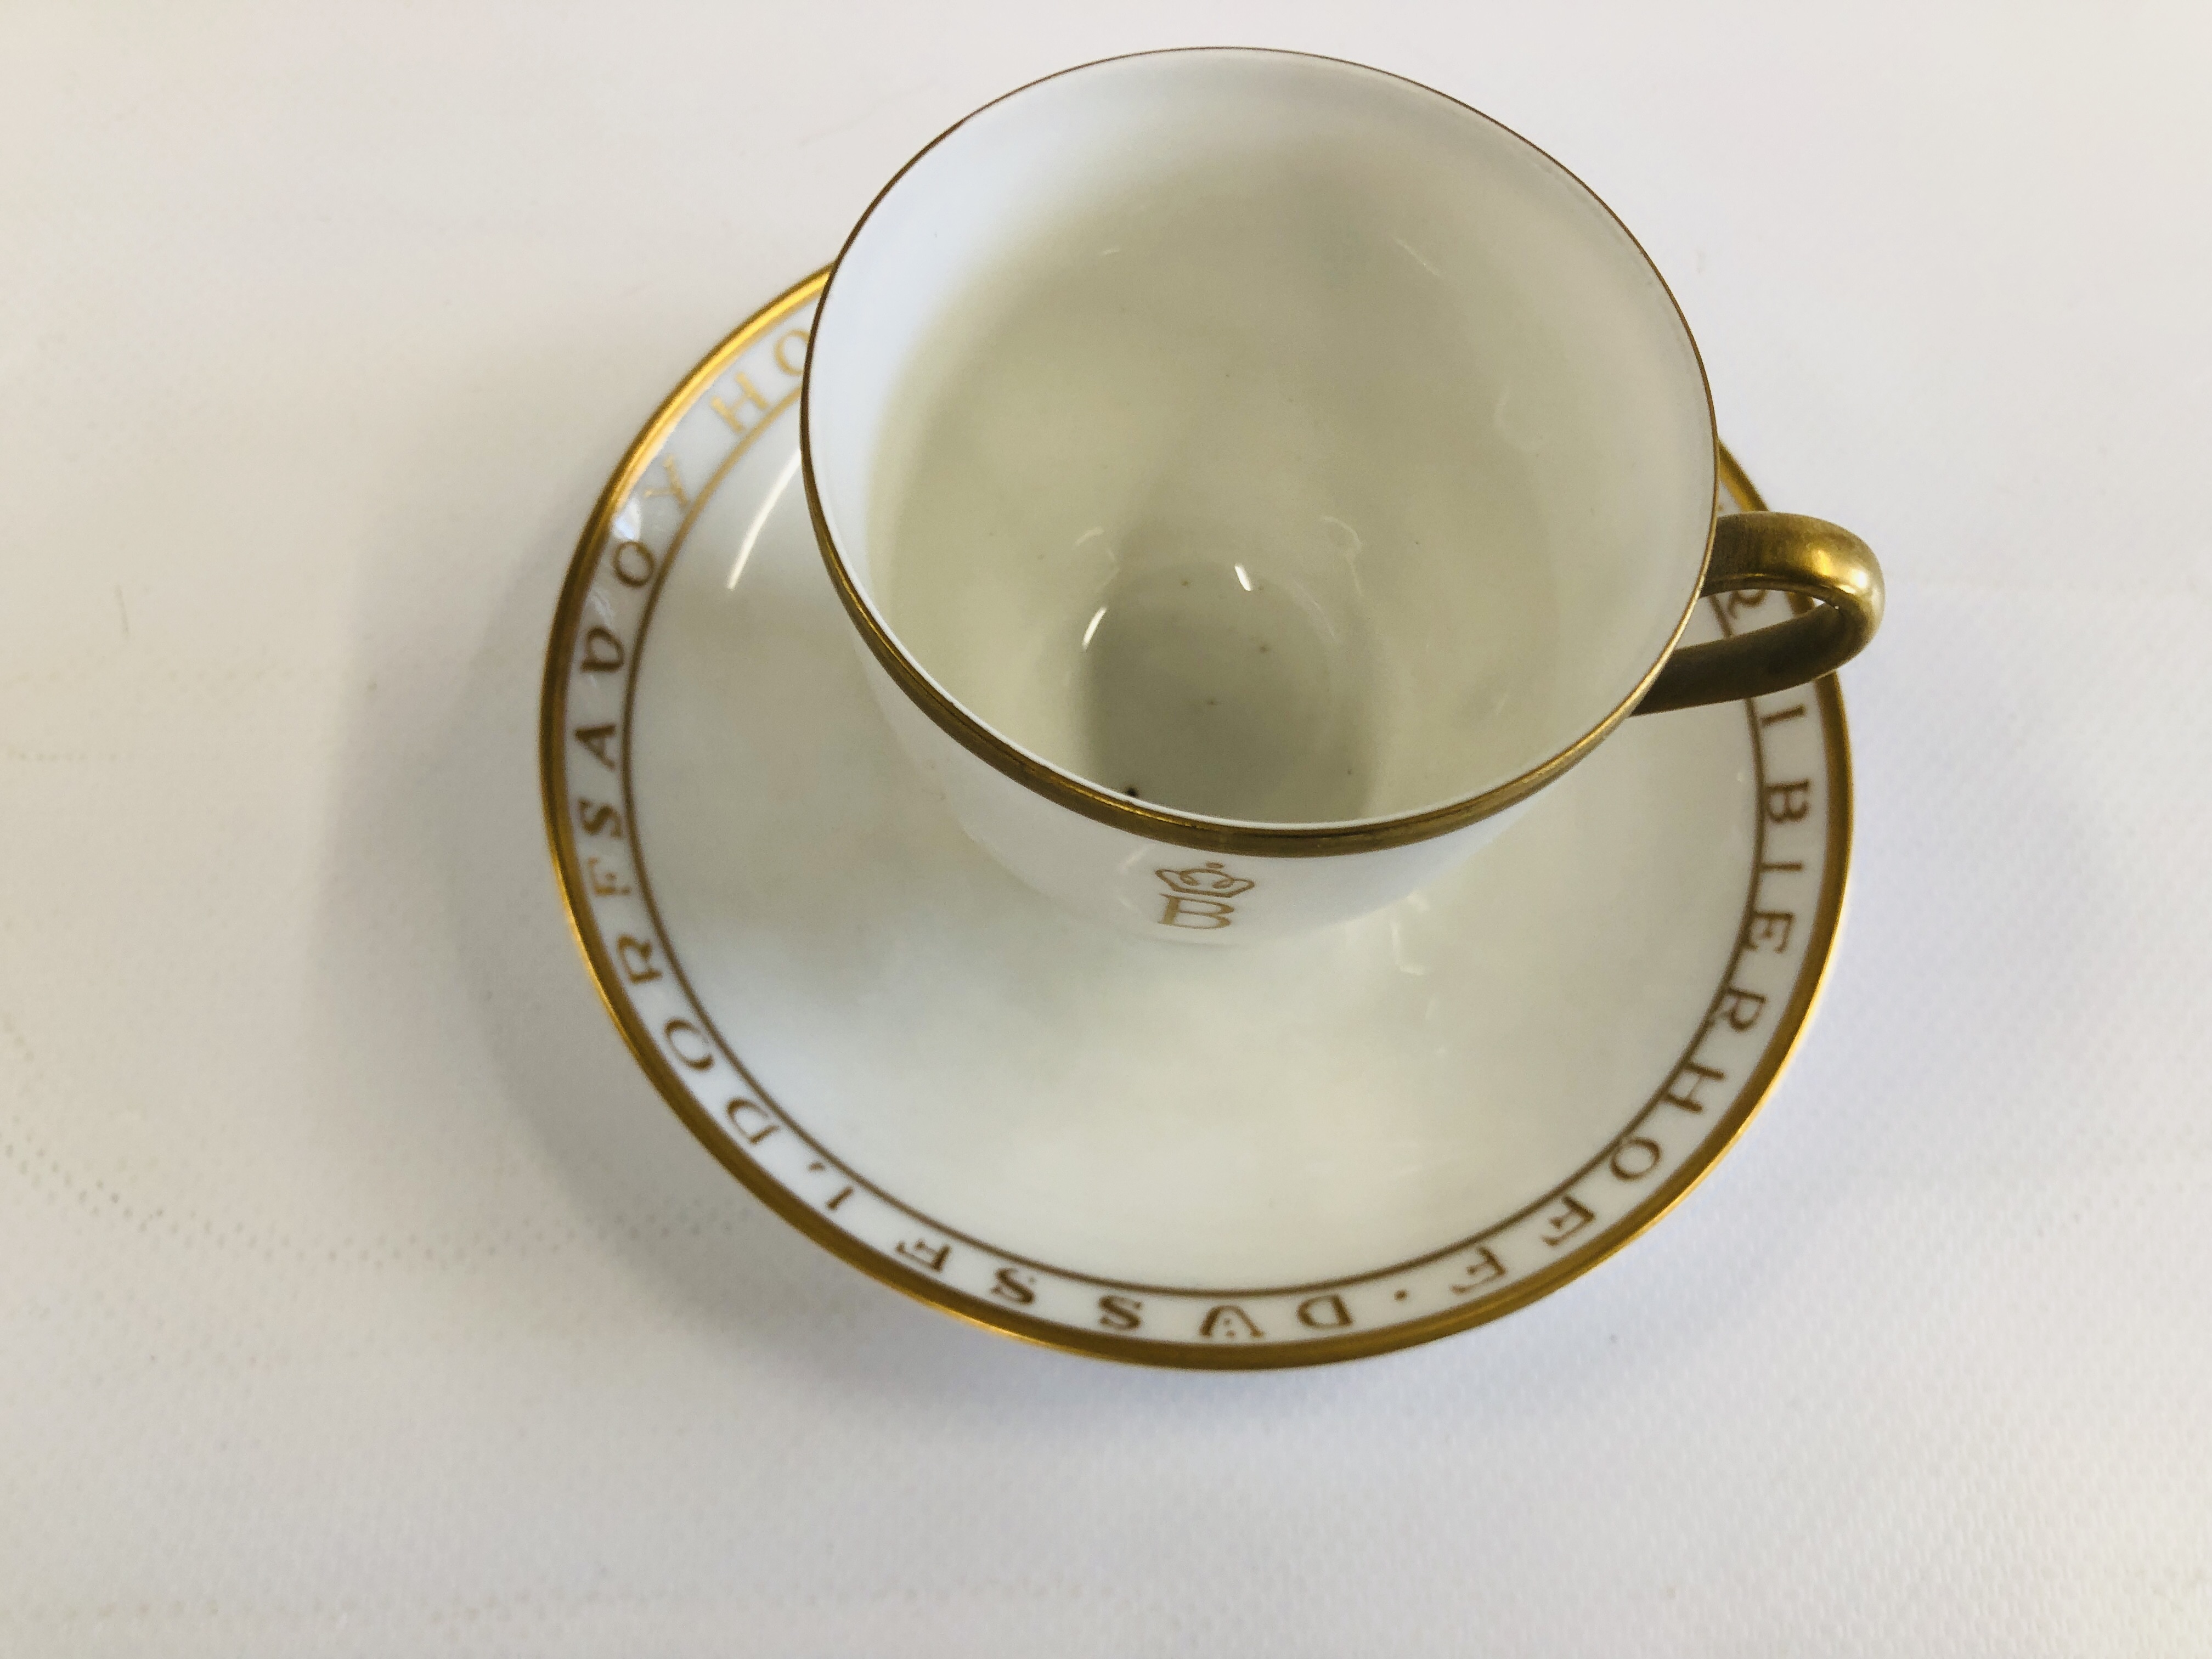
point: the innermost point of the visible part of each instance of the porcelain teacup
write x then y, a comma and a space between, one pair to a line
1254, 478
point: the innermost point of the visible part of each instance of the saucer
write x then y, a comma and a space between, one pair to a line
1295, 1152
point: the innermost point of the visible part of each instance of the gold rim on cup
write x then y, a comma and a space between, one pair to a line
1808, 558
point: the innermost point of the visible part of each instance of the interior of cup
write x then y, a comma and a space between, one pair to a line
1262, 437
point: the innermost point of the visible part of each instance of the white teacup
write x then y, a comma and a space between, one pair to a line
1253, 476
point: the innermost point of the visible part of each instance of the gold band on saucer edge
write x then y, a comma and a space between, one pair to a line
1789, 1030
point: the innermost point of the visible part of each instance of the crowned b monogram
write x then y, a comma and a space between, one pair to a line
1199, 896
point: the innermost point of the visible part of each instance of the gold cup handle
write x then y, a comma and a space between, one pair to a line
1776, 552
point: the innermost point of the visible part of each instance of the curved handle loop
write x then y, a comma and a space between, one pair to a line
1776, 552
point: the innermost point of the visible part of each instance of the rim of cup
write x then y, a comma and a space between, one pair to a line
1150, 819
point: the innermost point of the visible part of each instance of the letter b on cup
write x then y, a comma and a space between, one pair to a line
1181, 910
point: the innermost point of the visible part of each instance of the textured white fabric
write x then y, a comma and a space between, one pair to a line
358, 1296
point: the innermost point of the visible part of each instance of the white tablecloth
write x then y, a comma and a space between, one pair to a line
357, 1296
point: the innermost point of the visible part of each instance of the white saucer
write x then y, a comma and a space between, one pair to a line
1286, 1154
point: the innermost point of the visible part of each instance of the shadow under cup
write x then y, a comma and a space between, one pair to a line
1261, 437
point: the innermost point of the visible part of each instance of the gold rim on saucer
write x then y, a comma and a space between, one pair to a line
592, 657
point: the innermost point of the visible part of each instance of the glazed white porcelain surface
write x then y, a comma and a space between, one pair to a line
1390, 1128
1263, 438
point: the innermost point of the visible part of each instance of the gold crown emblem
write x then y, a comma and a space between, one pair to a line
1207, 881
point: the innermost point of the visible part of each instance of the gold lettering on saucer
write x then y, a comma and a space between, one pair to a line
1795, 711
1786, 803
1324, 1313
930, 1256
1229, 1322
736, 1110
1740, 1009
1014, 1285
598, 818
603, 651
675, 484
636, 956
1699, 1076
1572, 1216
747, 394
596, 738
797, 336
698, 1062
1634, 1158
1197, 898
1120, 1313
632, 563
1768, 927
604, 882
843, 1193
1484, 1269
